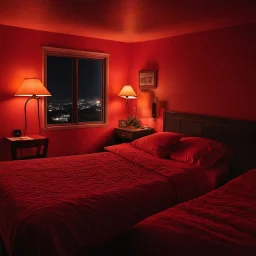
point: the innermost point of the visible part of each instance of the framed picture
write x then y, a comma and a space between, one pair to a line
147, 79
121, 123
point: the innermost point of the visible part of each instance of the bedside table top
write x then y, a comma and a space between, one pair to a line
134, 129
125, 134
26, 138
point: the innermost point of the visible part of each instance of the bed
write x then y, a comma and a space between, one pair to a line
223, 222
70, 205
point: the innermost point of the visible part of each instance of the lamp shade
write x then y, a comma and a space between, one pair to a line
32, 87
127, 92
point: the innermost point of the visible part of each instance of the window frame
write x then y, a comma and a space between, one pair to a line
62, 52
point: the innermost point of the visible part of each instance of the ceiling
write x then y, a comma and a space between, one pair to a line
126, 20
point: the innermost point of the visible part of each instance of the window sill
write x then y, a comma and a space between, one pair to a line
74, 126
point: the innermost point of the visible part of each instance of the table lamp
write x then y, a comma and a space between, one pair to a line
33, 88
127, 92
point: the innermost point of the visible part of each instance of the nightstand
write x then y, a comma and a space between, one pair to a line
31, 141
130, 134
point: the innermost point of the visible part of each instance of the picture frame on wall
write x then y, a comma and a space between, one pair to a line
147, 79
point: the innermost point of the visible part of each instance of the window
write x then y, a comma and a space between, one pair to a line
77, 81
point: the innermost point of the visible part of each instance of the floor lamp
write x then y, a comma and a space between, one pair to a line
33, 88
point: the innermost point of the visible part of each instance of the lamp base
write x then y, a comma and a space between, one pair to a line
38, 113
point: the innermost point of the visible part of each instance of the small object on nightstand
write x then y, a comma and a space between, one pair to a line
146, 127
35, 141
17, 133
131, 134
121, 123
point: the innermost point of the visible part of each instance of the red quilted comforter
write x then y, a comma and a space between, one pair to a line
69, 205
222, 222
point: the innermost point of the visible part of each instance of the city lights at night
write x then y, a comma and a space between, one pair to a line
60, 111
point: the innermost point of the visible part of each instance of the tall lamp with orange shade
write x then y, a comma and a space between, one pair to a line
33, 88
127, 92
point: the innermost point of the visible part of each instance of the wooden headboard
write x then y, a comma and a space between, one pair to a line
238, 134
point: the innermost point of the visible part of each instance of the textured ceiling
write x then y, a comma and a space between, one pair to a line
126, 20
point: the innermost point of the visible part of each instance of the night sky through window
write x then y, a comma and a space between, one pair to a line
89, 79
59, 78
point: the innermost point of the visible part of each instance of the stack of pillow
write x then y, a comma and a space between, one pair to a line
195, 150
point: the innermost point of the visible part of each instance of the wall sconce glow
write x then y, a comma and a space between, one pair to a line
127, 92
33, 88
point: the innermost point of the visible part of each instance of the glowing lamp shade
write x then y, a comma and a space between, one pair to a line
127, 92
32, 87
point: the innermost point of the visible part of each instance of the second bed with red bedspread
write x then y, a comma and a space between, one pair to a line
70, 205
222, 222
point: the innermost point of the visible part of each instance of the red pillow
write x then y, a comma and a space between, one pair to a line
158, 144
200, 151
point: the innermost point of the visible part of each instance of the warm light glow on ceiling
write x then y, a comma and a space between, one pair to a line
126, 20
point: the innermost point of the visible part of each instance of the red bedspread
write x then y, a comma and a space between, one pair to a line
222, 222
68, 205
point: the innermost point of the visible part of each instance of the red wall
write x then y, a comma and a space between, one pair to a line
210, 73
21, 56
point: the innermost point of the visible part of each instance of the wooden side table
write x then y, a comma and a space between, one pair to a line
32, 141
130, 134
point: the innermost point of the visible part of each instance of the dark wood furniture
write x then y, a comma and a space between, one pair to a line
37, 141
130, 134
237, 134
